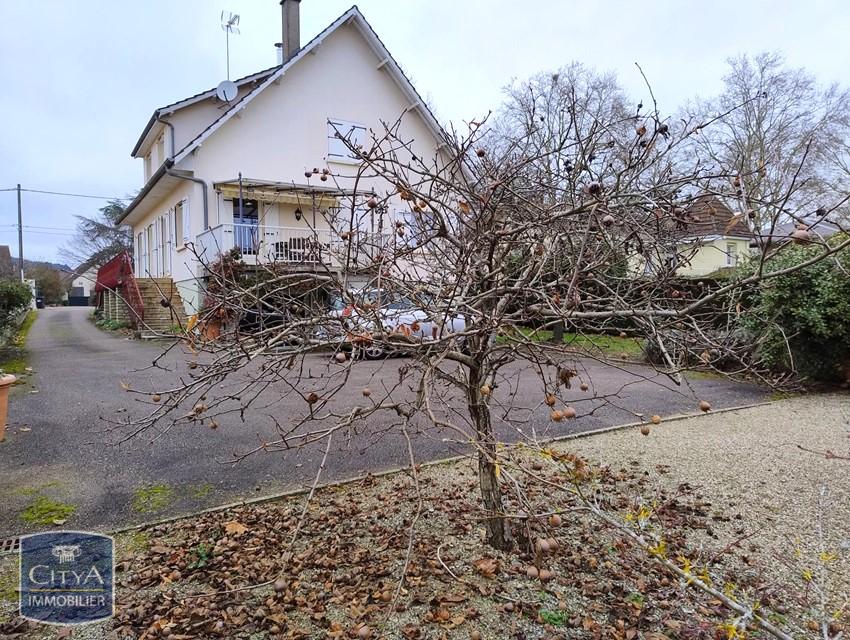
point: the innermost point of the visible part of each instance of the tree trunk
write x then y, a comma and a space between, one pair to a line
558, 333
498, 528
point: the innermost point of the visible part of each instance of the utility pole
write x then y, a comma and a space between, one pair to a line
20, 236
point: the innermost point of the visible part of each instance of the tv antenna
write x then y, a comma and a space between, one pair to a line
229, 24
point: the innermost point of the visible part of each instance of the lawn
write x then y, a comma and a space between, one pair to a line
626, 348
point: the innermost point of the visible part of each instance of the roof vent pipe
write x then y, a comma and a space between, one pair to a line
278, 48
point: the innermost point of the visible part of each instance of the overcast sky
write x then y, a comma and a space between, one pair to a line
79, 80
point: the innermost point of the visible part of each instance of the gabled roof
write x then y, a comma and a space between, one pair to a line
707, 216
186, 102
354, 16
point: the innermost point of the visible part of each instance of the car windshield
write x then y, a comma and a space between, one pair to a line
371, 296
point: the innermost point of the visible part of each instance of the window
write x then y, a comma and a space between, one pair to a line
164, 245
731, 254
338, 132
146, 267
140, 252
415, 227
246, 220
182, 223
160, 150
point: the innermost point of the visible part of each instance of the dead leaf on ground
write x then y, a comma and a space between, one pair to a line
487, 567
234, 528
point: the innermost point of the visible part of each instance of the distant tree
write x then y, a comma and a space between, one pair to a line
48, 282
558, 128
98, 239
780, 133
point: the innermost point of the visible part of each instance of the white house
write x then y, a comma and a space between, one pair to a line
202, 153
82, 286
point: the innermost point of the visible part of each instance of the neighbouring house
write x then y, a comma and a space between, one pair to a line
711, 237
265, 170
704, 238
81, 285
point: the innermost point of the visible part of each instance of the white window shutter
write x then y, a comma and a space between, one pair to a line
338, 130
337, 148
187, 222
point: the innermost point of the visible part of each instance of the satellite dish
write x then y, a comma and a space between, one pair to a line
226, 90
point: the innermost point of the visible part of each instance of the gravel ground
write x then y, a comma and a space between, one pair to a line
749, 461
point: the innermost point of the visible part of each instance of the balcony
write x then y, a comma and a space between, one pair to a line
297, 247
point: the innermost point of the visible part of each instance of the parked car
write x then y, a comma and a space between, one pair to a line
394, 318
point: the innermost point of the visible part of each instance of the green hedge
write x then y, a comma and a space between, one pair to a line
802, 320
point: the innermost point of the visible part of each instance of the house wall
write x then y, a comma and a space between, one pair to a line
284, 130
188, 123
712, 256
707, 258
180, 265
85, 282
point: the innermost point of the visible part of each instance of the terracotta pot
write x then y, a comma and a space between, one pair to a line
5, 382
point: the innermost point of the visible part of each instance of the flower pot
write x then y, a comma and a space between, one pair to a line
5, 382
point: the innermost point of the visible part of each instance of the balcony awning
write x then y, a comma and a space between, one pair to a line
282, 192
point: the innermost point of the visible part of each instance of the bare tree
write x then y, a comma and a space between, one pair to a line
781, 138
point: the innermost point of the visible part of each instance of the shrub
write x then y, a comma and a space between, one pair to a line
13, 296
802, 320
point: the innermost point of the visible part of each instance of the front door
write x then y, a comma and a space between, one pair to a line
246, 236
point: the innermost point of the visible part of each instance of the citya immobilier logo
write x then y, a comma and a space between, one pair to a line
67, 577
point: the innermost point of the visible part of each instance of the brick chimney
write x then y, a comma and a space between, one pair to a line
291, 22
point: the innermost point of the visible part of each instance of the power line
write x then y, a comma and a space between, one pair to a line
50, 233
71, 195
37, 226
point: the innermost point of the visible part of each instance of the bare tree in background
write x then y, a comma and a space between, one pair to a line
783, 138
551, 112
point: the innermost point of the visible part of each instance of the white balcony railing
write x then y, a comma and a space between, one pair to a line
262, 244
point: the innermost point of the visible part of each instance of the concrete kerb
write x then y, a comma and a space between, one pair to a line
432, 463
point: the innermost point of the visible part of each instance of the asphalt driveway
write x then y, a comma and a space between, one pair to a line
59, 448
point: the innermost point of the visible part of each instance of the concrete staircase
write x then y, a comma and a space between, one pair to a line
160, 319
